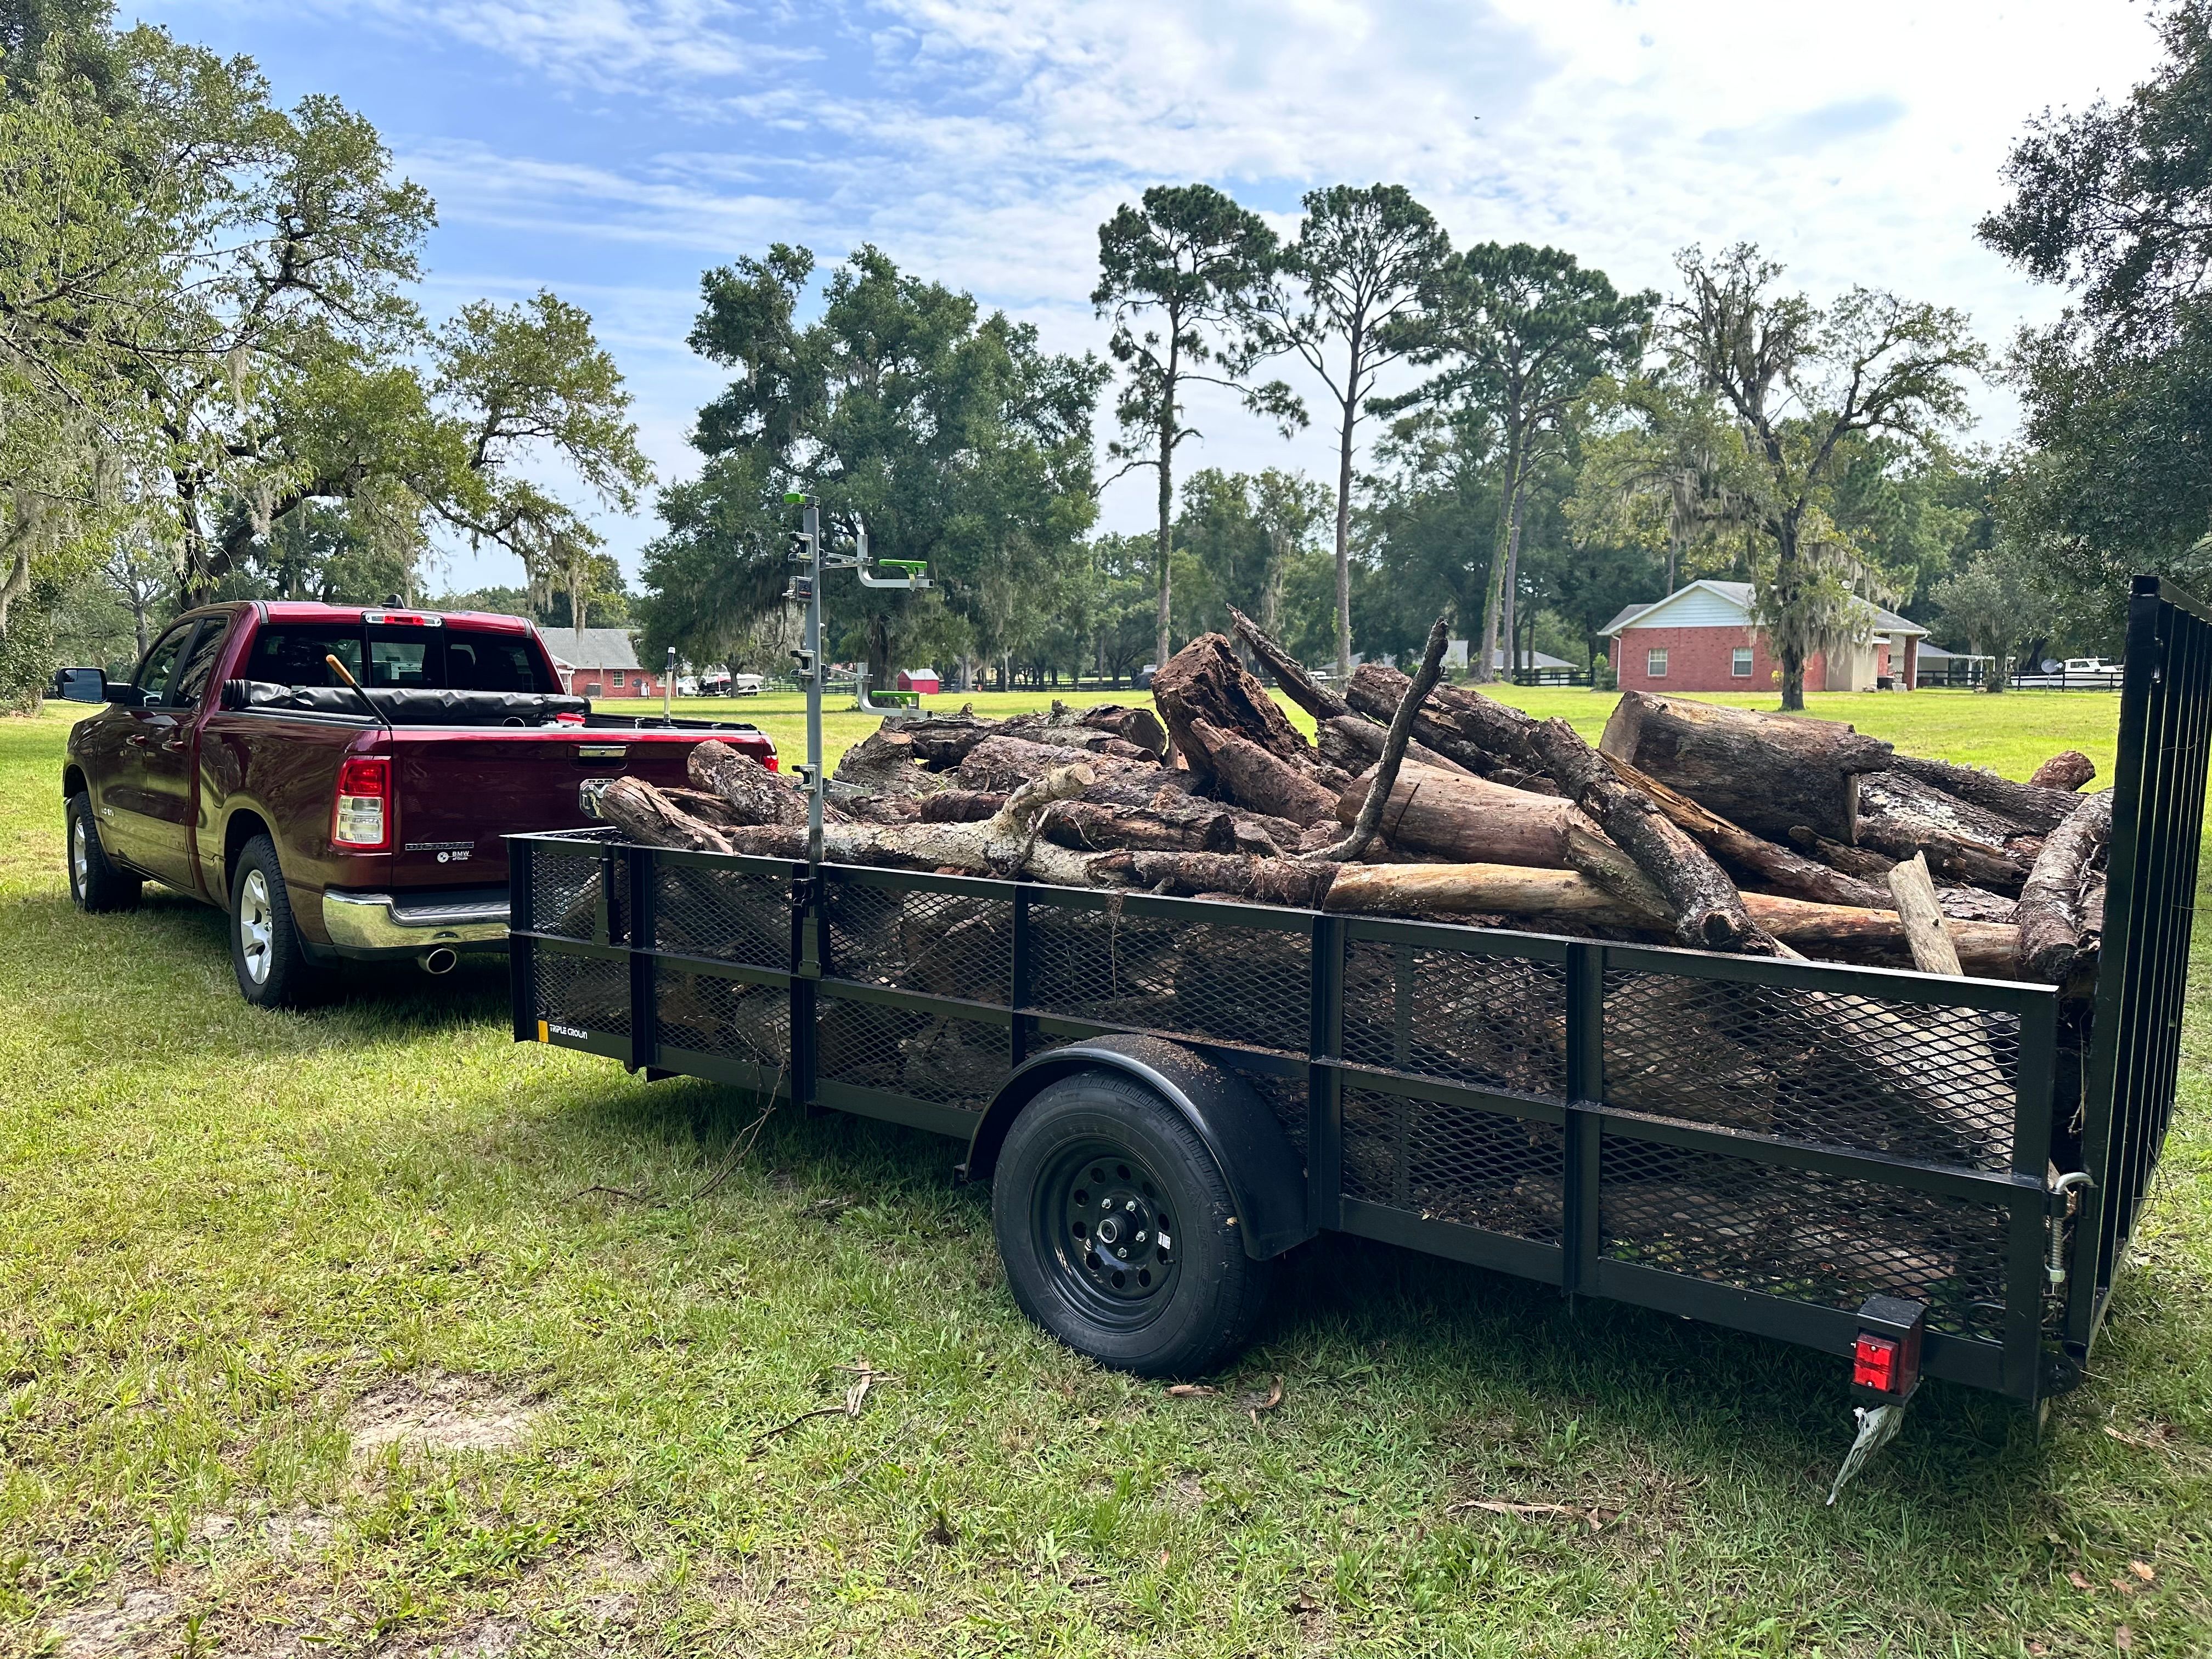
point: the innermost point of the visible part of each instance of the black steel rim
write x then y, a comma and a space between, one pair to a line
1105, 1229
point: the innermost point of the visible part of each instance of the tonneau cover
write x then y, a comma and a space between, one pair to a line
406, 706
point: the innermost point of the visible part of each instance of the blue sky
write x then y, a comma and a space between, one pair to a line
612, 149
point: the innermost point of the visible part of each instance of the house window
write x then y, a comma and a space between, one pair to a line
1740, 664
618, 677
1655, 663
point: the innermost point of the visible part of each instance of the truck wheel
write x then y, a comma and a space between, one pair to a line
1118, 1232
95, 883
272, 970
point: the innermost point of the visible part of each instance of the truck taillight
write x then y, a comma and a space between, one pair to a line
360, 818
770, 761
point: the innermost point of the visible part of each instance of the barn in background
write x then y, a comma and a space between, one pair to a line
1702, 638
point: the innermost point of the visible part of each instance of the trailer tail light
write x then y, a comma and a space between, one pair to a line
360, 818
1885, 1355
770, 761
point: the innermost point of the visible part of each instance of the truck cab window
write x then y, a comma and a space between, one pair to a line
160, 663
406, 663
192, 681
492, 662
293, 655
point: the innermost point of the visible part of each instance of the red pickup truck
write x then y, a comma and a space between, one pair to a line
334, 819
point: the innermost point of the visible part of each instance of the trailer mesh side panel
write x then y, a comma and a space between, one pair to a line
564, 890
590, 993
733, 915
1831, 1240
748, 1023
1911, 1080
1211, 980
1450, 1163
902, 1051
946, 945
1490, 1022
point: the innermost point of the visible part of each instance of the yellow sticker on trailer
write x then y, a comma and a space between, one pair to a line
544, 1035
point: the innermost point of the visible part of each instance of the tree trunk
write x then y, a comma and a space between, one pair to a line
1354, 743
1767, 772
1185, 826
1471, 820
1751, 859
2055, 930
1709, 912
1318, 701
1900, 816
2069, 770
2031, 806
1164, 551
1344, 529
1300, 882
1787, 580
759, 795
1501, 550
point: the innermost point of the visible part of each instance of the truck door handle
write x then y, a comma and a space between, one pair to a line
137, 739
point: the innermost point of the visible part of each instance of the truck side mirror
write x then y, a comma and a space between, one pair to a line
80, 684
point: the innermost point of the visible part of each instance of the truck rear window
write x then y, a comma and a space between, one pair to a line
413, 657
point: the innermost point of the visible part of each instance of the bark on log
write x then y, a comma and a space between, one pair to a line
755, 793
1000, 764
1768, 773
2069, 770
1189, 826
1486, 737
1254, 777
1900, 816
2027, 805
2055, 928
1861, 861
1752, 859
1300, 882
1921, 915
1205, 682
1471, 820
884, 763
1092, 729
961, 805
644, 814
1316, 700
1354, 743
941, 741
1709, 912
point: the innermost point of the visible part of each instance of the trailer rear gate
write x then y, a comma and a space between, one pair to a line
1667, 1127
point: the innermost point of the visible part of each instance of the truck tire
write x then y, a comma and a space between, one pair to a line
273, 970
94, 883
1118, 1232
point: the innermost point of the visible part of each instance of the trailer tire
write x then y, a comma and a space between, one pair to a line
94, 882
1093, 1172
266, 953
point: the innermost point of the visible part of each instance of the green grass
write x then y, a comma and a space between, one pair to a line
222, 1230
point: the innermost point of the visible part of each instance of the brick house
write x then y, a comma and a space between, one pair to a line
1702, 638
599, 662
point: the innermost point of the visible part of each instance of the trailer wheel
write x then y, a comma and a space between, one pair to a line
1118, 1231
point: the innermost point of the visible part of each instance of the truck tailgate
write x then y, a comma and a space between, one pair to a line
459, 792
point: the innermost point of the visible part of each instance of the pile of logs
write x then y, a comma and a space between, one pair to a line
1688, 823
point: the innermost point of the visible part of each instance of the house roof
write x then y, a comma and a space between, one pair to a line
1537, 660
1738, 596
592, 647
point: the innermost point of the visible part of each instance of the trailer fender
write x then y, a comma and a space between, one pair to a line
1249, 1145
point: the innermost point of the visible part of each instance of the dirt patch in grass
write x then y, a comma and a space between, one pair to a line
142, 1620
432, 1411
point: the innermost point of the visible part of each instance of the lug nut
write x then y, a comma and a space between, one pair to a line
1131, 1205
1124, 1255
1140, 1235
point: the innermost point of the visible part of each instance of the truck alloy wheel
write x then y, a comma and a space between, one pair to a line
255, 926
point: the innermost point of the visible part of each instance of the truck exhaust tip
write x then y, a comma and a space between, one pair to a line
443, 960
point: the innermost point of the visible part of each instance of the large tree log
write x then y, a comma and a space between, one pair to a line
1092, 728
1204, 681
1986, 948
2068, 770
1471, 820
961, 805
1752, 859
1357, 839
1920, 914
2027, 805
884, 763
1254, 777
941, 741
1318, 701
2055, 925
1354, 743
1708, 911
756, 794
1186, 826
1000, 764
1302, 883
645, 814
1900, 816
1768, 773
1484, 736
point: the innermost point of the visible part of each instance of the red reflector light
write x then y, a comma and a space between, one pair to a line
1874, 1364
360, 816
770, 761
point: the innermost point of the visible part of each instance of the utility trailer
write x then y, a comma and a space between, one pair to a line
1168, 1093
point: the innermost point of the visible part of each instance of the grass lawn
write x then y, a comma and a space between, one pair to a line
366, 1331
